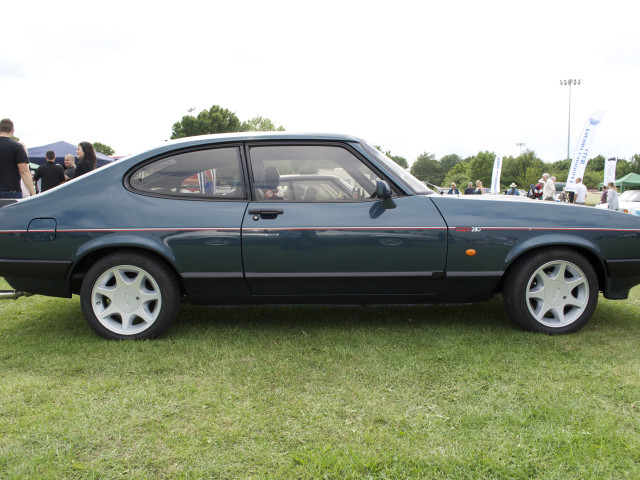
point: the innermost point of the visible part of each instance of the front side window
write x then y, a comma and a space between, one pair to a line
310, 173
202, 174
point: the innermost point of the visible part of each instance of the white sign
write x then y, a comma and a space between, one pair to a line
495, 176
580, 157
610, 170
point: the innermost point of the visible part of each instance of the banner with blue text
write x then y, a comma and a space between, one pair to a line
581, 155
495, 176
610, 170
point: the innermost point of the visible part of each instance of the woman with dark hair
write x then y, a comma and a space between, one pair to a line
87, 159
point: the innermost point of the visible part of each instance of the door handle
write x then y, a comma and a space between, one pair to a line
265, 213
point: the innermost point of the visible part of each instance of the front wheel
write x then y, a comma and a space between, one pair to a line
130, 295
551, 291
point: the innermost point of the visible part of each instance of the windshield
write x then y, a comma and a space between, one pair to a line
416, 185
630, 196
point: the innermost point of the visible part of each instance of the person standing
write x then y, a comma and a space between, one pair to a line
479, 188
512, 190
14, 164
612, 197
469, 190
70, 166
549, 189
50, 174
87, 156
453, 190
603, 196
539, 187
580, 196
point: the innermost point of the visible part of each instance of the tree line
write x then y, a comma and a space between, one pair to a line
524, 170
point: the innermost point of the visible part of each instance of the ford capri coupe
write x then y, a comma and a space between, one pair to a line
303, 219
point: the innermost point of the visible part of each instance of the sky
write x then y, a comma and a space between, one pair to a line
460, 76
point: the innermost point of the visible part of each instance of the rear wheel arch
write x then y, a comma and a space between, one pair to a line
82, 266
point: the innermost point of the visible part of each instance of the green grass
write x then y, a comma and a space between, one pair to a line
319, 392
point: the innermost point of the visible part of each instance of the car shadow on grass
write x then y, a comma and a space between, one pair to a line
490, 314
53, 318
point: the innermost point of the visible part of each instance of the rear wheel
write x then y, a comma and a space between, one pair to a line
552, 291
130, 295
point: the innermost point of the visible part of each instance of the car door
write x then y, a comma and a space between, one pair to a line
299, 238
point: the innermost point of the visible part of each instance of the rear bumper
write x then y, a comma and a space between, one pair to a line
44, 277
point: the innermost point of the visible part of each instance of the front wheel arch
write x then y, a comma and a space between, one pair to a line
592, 257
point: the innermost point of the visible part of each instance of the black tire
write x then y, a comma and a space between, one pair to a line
553, 290
130, 295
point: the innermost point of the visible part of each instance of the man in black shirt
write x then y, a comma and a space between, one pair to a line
70, 166
470, 190
50, 173
14, 164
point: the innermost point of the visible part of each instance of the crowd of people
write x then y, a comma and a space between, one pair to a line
479, 190
545, 190
16, 179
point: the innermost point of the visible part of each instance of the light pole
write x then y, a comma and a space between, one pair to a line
569, 82
520, 144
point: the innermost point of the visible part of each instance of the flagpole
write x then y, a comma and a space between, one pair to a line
569, 82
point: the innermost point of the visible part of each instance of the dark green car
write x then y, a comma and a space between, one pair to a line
234, 219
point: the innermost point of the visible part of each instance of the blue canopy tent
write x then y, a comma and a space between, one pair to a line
37, 154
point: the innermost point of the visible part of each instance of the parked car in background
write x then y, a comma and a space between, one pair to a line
228, 219
628, 201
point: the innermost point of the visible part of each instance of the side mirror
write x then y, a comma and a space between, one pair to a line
383, 192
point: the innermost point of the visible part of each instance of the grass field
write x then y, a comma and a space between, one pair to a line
320, 392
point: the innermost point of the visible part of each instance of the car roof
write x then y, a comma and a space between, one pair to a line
244, 137
249, 136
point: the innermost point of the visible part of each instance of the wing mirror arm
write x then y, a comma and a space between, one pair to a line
383, 192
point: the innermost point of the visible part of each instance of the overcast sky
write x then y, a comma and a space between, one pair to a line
411, 76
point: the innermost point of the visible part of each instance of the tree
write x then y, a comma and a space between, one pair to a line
220, 120
458, 174
260, 124
448, 162
560, 165
635, 163
214, 120
481, 167
426, 168
396, 158
399, 160
592, 179
102, 148
596, 164
623, 167
523, 170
